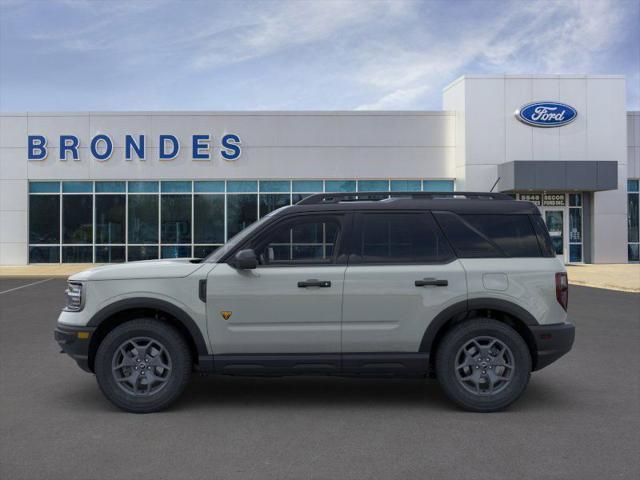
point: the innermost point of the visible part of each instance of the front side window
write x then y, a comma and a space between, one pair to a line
401, 238
304, 240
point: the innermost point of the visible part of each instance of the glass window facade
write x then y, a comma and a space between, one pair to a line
110, 218
564, 218
575, 227
633, 232
119, 221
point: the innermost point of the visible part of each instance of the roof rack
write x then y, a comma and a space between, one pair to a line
319, 198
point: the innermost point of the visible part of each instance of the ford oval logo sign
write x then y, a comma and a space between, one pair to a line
546, 114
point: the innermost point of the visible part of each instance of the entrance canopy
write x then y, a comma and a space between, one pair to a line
562, 176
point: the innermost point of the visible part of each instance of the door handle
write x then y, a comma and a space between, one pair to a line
427, 282
314, 283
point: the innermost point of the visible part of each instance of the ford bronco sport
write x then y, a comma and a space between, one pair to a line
465, 287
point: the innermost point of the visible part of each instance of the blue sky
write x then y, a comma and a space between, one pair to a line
299, 55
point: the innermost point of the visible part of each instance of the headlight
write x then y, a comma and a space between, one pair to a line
75, 301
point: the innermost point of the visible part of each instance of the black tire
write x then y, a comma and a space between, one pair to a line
170, 349
453, 365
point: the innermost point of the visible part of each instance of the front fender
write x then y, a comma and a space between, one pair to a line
156, 304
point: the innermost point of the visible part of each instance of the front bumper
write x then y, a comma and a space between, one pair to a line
552, 342
75, 341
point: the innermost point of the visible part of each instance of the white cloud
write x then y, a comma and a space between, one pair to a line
536, 37
285, 25
402, 98
386, 54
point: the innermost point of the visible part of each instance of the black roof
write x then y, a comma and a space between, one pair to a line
458, 202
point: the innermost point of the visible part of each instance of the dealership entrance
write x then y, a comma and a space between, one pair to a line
562, 212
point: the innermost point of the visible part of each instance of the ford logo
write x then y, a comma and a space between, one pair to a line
546, 114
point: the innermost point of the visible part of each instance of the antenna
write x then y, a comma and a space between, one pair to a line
494, 185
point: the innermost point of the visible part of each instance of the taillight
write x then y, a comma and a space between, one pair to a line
562, 289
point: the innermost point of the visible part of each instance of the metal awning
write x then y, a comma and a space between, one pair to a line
560, 176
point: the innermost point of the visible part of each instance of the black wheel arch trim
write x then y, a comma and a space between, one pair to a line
156, 304
457, 310
461, 309
505, 306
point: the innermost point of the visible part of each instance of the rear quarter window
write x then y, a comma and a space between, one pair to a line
513, 234
490, 235
544, 240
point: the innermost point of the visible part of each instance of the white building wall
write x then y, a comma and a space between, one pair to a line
494, 136
633, 142
275, 145
476, 132
455, 98
13, 190
607, 139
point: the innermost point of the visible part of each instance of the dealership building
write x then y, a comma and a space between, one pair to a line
101, 187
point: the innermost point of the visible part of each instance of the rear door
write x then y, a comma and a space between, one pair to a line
401, 274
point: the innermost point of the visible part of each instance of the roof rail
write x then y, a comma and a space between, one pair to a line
319, 198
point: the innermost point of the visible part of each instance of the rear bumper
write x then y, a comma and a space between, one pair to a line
74, 345
552, 342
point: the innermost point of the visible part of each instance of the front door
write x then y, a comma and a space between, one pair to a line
291, 303
401, 274
555, 224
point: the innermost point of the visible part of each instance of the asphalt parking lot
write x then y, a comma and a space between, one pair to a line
580, 418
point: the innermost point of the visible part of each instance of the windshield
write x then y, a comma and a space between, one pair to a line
216, 255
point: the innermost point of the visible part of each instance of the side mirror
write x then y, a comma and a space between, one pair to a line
245, 260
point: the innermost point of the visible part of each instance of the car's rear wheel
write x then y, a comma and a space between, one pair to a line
483, 365
143, 365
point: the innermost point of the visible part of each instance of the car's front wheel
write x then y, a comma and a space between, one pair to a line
483, 365
143, 365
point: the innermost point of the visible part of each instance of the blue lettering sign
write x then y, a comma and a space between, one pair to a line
231, 147
164, 155
37, 147
102, 147
201, 142
69, 143
108, 147
130, 143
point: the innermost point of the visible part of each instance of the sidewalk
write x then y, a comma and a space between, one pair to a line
44, 270
623, 277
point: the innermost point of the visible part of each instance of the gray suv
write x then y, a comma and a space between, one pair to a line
464, 287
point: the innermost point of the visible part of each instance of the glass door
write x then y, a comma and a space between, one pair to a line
555, 224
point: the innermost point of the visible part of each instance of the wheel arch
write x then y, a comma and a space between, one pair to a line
121, 311
502, 310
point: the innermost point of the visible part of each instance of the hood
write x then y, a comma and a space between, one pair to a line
167, 268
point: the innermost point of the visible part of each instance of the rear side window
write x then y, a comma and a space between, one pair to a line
513, 234
400, 238
544, 241
482, 236
466, 240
